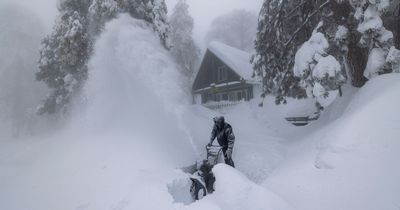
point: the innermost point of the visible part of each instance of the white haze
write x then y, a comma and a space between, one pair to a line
20, 34
205, 11
45, 9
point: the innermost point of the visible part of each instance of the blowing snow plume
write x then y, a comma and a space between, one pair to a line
133, 86
124, 141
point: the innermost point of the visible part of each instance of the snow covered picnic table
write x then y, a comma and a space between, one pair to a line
302, 121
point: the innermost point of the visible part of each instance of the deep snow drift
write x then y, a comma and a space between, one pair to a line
351, 163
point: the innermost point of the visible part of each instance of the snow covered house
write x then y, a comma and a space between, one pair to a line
225, 77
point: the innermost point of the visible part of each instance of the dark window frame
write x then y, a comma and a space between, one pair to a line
222, 73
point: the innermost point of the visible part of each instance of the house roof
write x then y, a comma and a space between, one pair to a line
237, 60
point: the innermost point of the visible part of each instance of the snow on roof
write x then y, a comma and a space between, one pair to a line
237, 60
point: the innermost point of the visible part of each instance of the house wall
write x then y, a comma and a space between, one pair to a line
208, 72
208, 88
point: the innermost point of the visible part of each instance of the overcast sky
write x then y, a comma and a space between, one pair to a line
203, 11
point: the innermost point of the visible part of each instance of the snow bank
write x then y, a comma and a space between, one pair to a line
235, 192
351, 163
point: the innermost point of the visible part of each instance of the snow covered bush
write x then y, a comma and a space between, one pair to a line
321, 74
374, 35
393, 59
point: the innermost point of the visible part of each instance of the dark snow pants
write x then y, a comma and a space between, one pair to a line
228, 161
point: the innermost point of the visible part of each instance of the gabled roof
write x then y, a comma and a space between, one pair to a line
237, 60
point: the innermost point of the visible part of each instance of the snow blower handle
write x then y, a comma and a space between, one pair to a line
209, 146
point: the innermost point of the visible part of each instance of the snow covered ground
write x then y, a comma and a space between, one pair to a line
351, 163
123, 145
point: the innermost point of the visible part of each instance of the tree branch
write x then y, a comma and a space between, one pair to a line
305, 22
289, 15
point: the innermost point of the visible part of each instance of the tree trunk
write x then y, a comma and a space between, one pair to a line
358, 58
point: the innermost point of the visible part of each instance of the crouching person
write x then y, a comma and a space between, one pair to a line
225, 137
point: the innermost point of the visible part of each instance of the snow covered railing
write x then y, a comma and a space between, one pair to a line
221, 104
302, 121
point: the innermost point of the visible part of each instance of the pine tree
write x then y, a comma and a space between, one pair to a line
184, 50
283, 26
317, 65
100, 12
160, 21
375, 38
356, 39
64, 56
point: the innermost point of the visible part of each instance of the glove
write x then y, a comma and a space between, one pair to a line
229, 153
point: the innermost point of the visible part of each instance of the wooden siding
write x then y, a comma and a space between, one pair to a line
208, 72
212, 89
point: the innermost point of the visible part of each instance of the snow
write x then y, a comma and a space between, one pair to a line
352, 162
133, 128
243, 194
324, 97
124, 140
341, 33
309, 52
315, 67
393, 58
372, 20
237, 60
326, 67
376, 60
119, 145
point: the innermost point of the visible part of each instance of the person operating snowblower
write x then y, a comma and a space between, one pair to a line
226, 139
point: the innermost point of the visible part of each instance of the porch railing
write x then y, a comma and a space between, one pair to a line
221, 104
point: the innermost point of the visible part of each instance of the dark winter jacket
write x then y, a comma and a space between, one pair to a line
224, 135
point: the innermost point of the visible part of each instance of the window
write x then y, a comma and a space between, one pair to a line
222, 73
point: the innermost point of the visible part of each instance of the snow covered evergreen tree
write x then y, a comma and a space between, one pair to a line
184, 49
100, 12
237, 29
65, 53
321, 73
160, 21
283, 26
152, 11
64, 56
356, 39
374, 36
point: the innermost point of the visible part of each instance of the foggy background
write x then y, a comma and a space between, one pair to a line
203, 12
